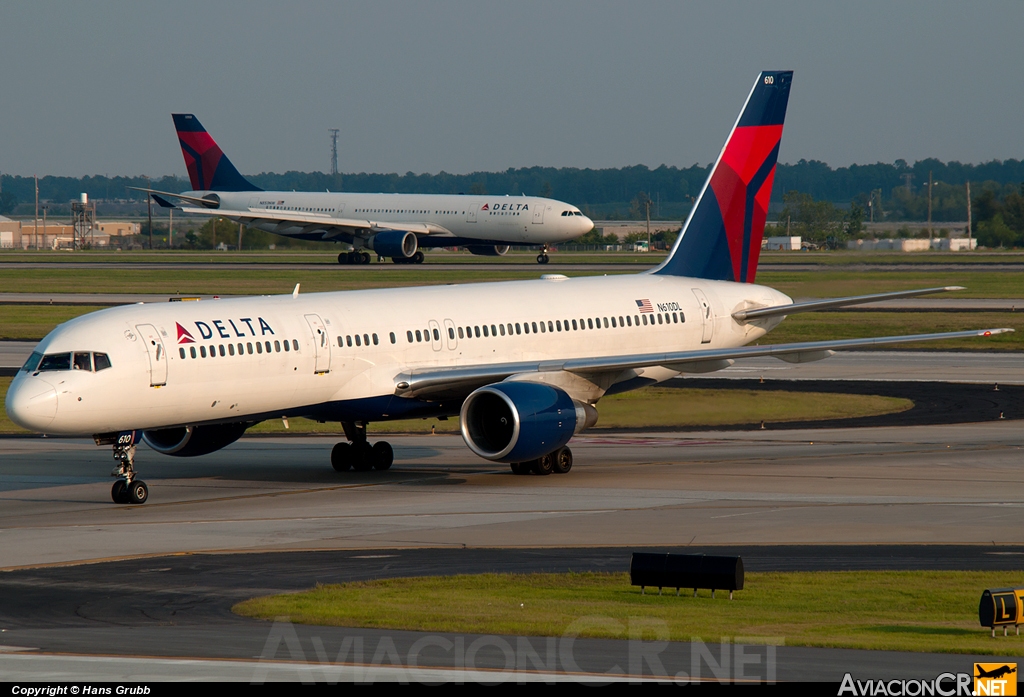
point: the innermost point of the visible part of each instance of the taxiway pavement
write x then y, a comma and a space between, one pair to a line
953, 484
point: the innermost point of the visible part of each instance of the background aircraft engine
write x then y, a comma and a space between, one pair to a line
190, 441
520, 421
394, 243
495, 250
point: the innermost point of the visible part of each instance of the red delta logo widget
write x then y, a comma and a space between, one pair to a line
225, 329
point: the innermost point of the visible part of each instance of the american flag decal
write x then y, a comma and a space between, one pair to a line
644, 306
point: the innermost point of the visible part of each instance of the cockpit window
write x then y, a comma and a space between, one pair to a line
79, 360
33, 362
56, 361
82, 361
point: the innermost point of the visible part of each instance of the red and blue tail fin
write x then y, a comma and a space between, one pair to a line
209, 169
721, 240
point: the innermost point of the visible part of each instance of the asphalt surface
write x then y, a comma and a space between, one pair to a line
912, 497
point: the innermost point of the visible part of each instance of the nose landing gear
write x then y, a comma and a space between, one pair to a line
359, 454
542, 258
128, 488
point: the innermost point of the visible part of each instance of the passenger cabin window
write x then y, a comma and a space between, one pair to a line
393, 340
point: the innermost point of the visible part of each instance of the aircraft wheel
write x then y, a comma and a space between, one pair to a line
341, 457
119, 492
362, 457
520, 467
343, 258
418, 257
364, 258
138, 492
544, 465
542, 258
562, 460
383, 455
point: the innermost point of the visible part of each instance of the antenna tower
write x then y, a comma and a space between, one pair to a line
334, 150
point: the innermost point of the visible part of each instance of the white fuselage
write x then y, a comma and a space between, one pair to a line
526, 220
154, 381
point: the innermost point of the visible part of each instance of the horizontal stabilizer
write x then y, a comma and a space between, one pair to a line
813, 305
162, 202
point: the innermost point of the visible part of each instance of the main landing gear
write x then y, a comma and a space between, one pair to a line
354, 258
558, 462
127, 489
359, 454
542, 258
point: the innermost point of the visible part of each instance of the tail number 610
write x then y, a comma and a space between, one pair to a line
769, 79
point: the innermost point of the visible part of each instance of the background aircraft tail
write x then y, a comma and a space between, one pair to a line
209, 169
721, 239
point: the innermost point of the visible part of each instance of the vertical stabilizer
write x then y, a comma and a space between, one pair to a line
209, 169
721, 239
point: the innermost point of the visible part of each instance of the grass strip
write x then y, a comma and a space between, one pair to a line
932, 611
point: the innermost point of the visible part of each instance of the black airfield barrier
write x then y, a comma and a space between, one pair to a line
686, 571
1001, 607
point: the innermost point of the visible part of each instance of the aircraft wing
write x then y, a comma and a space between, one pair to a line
431, 382
812, 305
295, 222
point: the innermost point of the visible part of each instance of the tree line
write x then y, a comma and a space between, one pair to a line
600, 190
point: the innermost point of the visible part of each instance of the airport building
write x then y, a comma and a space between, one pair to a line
40, 234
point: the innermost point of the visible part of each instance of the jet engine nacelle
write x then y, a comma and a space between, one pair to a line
520, 421
495, 250
190, 441
394, 243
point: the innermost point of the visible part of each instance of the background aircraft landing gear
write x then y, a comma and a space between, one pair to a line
127, 489
557, 462
416, 258
542, 258
359, 454
354, 258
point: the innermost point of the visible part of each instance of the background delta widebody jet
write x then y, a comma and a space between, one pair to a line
523, 363
392, 225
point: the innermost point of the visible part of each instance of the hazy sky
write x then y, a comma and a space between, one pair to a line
88, 87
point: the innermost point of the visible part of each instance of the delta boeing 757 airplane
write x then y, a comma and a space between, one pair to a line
392, 225
523, 363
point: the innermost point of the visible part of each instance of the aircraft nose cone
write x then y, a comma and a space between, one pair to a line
31, 403
586, 225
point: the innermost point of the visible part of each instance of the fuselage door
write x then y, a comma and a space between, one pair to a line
538, 212
707, 317
453, 340
471, 209
321, 344
435, 335
157, 354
